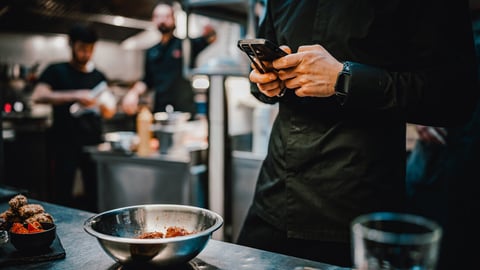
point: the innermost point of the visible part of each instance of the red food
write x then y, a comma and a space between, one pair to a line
176, 231
18, 228
151, 235
34, 227
172, 231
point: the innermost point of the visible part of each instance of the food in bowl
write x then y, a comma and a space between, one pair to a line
29, 227
172, 231
33, 227
21, 211
25, 237
119, 232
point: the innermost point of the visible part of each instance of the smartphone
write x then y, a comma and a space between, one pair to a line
259, 49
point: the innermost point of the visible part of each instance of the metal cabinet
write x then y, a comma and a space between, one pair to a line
125, 180
245, 169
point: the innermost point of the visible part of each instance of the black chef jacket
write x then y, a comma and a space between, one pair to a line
66, 129
164, 74
328, 163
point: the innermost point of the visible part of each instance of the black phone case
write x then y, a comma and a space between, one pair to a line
259, 50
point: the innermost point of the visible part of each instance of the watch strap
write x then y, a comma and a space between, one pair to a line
342, 85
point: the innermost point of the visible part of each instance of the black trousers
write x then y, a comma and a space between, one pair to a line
65, 159
257, 233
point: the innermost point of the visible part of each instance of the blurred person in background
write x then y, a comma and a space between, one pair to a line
63, 85
442, 175
356, 73
163, 72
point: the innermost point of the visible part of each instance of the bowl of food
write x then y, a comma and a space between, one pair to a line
32, 237
154, 234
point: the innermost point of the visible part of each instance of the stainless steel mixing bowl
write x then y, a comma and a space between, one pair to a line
118, 230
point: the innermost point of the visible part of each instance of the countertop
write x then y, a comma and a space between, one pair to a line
84, 252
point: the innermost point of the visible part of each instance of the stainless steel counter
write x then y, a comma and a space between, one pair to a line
83, 251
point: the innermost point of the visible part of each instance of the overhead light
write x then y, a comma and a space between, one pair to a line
115, 20
200, 82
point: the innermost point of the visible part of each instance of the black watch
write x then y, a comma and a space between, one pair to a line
342, 86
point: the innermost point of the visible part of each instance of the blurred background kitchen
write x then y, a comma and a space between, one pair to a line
211, 161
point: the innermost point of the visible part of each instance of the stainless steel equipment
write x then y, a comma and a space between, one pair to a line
169, 129
125, 179
219, 159
245, 169
118, 233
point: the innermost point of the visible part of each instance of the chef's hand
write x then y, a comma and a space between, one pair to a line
130, 103
84, 98
107, 104
435, 135
268, 83
312, 71
130, 100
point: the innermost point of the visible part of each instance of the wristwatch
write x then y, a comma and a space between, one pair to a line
342, 86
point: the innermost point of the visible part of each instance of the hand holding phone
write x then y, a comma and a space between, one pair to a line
259, 50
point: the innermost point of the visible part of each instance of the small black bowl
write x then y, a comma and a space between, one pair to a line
33, 242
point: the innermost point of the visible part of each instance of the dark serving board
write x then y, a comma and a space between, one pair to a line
11, 256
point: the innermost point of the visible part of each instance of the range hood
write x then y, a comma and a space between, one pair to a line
57, 16
115, 20
229, 10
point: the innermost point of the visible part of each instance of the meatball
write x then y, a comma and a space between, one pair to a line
17, 202
29, 210
40, 217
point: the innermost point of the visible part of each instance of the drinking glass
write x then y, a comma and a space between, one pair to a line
395, 241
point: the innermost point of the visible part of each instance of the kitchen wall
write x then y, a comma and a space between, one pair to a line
122, 61
29, 49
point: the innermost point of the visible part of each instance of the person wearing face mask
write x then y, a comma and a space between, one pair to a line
64, 85
163, 71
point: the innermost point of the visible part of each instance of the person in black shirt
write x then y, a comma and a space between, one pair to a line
441, 180
62, 85
164, 67
356, 73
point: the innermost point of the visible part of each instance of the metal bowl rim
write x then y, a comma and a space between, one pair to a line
207, 232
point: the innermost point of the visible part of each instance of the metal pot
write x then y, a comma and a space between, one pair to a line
169, 129
121, 141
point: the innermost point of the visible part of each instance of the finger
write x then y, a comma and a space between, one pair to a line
309, 48
288, 61
286, 74
271, 89
271, 86
294, 59
263, 78
286, 49
292, 83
